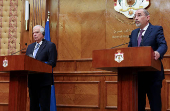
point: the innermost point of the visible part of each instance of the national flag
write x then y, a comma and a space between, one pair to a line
53, 99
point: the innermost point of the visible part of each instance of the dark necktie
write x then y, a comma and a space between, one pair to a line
140, 37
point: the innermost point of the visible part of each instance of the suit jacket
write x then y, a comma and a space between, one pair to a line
47, 53
153, 37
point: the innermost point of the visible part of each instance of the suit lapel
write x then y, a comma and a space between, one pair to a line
32, 47
148, 31
41, 48
136, 36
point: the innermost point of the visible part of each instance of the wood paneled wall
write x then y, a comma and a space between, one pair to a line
38, 16
72, 79
94, 24
78, 27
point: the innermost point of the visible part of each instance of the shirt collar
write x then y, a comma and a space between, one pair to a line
39, 43
145, 28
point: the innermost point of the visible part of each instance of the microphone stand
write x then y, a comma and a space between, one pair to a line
120, 45
20, 50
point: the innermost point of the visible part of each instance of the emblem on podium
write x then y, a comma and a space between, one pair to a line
119, 57
5, 62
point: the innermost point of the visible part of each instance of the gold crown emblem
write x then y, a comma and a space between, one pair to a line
118, 51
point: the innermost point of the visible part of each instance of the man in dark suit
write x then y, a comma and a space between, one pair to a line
40, 84
149, 83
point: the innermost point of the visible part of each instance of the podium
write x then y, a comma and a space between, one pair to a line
127, 62
19, 66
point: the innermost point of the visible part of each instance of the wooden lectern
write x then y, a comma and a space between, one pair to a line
19, 66
127, 62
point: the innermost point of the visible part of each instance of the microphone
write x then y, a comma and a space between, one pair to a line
121, 44
20, 50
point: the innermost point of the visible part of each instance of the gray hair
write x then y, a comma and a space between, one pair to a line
42, 30
145, 11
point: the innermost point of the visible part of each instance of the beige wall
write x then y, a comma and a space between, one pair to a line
10, 26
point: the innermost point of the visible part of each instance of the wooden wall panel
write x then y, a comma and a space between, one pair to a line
108, 84
53, 7
77, 93
84, 66
4, 107
86, 26
69, 36
69, 30
79, 27
74, 22
165, 20
168, 95
4, 91
4, 88
83, 91
111, 94
165, 92
166, 63
24, 34
118, 27
37, 17
65, 66
93, 21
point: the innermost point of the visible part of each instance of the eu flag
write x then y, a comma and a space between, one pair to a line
53, 100
47, 31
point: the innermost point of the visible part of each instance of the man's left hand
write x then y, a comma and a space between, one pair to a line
156, 55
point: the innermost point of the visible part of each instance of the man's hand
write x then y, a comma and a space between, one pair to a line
156, 55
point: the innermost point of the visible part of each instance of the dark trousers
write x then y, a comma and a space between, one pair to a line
40, 98
153, 91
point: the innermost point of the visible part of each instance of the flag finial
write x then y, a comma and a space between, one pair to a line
48, 16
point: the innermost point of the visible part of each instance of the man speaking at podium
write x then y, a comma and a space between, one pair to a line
149, 83
40, 84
